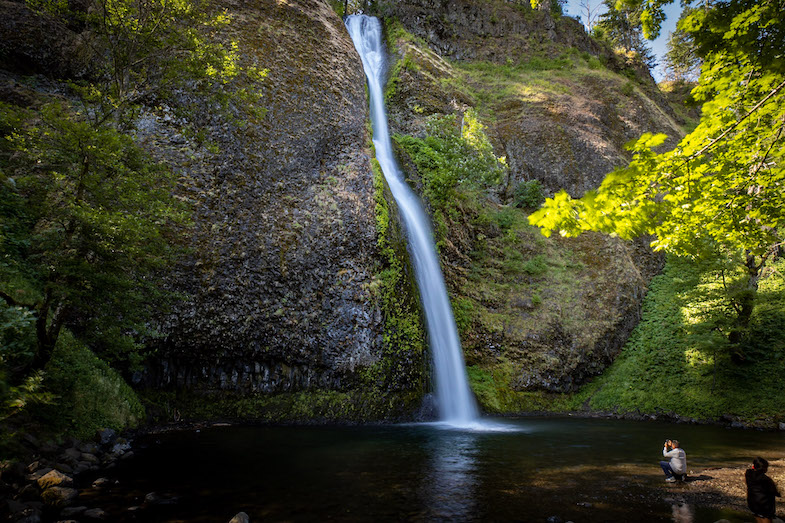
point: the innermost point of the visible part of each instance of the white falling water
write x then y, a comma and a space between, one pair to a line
454, 399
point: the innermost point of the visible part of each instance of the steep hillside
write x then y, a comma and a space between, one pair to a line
536, 314
294, 296
560, 105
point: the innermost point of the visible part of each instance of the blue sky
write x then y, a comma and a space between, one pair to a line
672, 12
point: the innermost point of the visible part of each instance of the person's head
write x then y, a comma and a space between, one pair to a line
675, 443
760, 464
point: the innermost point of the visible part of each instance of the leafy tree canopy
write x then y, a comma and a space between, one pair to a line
723, 184
681, 61
620, 24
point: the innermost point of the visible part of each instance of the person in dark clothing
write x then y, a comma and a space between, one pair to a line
761, 491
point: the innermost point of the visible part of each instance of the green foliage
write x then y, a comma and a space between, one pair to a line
493, 393
463, 311
404, 337
676, 359
394, 76
86, 222
554, 6
453, 154
620, 24
681, 60
87, 217
89, 395
155, 50
528, 194
514, 70
17, 340
304, 406
19, 398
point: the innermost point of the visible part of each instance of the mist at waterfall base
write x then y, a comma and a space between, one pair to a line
584, 470
454, 399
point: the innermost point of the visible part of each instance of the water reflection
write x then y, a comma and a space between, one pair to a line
682, 513
449, 485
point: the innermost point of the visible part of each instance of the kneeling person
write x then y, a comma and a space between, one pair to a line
676, 467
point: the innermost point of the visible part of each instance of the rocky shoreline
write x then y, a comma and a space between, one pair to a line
721, 488
51, 483
731, 422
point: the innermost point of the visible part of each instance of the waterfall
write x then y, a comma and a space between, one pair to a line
454, 399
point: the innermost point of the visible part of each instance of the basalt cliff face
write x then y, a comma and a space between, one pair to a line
281, 289
284, 249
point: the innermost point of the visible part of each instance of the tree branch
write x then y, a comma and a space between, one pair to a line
10, 301
732, 127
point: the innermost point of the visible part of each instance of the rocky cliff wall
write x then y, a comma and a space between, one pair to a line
565, 130
296, 275
282, 289
537, 314
284, 249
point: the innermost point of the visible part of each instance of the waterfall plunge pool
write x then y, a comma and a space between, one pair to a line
577, 469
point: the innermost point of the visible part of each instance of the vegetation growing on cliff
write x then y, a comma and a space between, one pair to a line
404, 336
87, 217
520, 300
454, 157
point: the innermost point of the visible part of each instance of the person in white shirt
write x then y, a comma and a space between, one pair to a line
676, 466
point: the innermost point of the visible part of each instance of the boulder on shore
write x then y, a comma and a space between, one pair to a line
59, 496
240, 517
55, 478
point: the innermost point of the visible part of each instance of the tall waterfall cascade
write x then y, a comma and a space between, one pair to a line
454, 399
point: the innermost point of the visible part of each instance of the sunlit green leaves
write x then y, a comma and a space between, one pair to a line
723, 185
453, 153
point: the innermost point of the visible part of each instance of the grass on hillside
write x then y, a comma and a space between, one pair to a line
534, 80
677, 360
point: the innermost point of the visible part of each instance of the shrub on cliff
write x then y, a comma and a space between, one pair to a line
453, 153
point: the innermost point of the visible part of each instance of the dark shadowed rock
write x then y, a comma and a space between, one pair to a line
94, 514
240, 517
70, 512
38, 43
59, 496
284, 243
101, 482
106, 436
12, 471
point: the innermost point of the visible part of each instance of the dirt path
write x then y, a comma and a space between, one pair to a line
723, 488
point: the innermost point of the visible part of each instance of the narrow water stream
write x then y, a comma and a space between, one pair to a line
584, 470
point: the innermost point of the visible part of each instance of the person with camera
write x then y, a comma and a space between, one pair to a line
761, 491
676, 466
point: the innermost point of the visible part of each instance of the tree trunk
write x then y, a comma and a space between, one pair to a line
745, 304
47, 329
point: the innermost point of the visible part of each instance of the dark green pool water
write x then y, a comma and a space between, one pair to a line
576, 469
